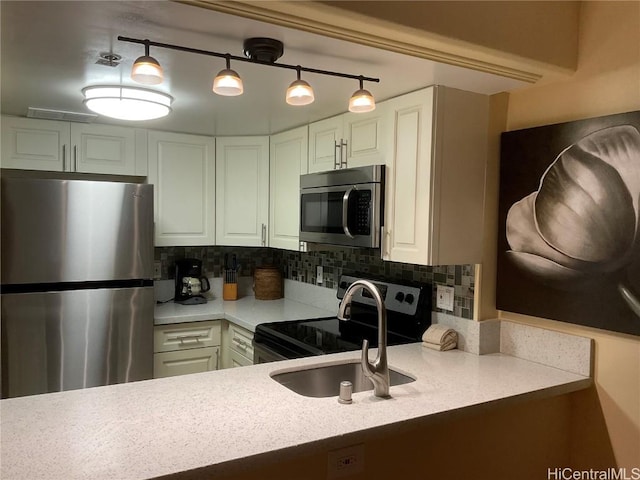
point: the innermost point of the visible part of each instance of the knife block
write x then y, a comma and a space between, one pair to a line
230, 291
230, 285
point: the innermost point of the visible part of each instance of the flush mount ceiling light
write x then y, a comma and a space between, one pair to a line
361, 101
228, 83
127, 103
299, 92
265, 51
146, 69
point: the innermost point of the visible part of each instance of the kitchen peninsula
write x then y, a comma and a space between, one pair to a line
223, 422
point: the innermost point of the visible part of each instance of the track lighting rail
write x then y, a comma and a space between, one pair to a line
236, 58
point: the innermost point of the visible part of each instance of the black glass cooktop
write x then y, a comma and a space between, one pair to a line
302, 338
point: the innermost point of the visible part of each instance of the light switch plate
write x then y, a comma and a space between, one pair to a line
444, 297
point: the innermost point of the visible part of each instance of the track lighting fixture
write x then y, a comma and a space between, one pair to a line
127, 103
299, 92
228, 83
361, 101
146, 69
261, 51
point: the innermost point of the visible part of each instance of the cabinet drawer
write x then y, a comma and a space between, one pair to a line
240, 341
238, 360
195, 360
184, 336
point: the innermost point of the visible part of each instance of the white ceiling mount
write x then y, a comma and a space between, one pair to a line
127, 103
48, 114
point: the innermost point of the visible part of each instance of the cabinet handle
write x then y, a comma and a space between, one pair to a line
75, 158
183, 338
337, 147
217, 359
343, 161
264, 235
64, 157
240, 343
388, 242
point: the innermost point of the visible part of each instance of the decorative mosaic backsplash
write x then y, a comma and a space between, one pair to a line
301, 266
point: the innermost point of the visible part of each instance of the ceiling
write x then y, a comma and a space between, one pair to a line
50, 49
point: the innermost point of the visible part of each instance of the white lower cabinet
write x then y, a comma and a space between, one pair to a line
434, 199
237, 346
242, 191
288, 160
182, 170
184, 348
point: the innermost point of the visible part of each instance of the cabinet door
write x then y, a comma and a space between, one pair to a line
238, 360
33, 144
368, 137
323, 138
196, 360
103, 149
409, 182
288, 160
242, 191
182, 170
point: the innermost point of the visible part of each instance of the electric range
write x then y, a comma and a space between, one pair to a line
408, 306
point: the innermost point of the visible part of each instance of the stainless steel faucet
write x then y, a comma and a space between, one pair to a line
378, 371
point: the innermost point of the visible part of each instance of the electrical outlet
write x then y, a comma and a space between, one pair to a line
157, 270
444, 297
346, 462
319, 274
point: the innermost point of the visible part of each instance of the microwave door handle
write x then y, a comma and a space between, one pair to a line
345, 211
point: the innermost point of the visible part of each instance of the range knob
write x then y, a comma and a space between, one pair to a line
409, 298
400, 296
343, 284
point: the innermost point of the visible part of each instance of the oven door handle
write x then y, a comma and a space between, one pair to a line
345, 211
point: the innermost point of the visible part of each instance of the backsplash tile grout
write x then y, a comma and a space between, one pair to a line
301, 267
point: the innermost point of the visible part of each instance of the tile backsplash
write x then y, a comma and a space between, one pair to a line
301, 266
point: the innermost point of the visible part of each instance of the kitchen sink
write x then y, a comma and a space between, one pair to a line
324, 381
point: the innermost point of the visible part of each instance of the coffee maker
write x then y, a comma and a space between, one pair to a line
190, 283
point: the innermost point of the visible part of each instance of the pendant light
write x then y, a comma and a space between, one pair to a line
146, 69
228, 83
127, 103
299, 92
362, 101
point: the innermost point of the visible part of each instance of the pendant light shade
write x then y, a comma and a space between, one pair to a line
299, 92
146, 69
127, 103
362, 101
228, 83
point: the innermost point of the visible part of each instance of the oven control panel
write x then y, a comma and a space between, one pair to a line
397, 297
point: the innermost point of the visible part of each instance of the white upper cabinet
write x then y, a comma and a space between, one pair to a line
435, 183
351, 140
242, 191
182, 170
288, 160
34, 144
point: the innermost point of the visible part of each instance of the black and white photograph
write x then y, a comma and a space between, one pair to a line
569, 242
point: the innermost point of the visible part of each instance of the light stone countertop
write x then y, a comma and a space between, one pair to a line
178, 424
246, 312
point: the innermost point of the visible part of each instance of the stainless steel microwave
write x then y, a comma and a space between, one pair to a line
343, 207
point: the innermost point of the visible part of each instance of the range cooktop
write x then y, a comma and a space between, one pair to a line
408, 316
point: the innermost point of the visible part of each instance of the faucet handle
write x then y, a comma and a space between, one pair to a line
345, 312
367, 367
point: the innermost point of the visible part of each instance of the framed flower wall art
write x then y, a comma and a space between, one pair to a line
569, 222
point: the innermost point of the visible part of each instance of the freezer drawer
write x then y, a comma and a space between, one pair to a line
56, 341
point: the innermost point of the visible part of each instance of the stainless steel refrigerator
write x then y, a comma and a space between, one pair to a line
77, 284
